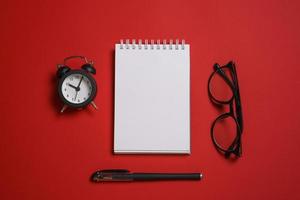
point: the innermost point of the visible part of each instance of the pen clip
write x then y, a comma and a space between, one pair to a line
108, 175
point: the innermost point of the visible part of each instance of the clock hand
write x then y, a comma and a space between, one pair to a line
76, 95
78, 88
72, 86
79, 83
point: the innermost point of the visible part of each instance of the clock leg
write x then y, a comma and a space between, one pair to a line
63, 108
94, 105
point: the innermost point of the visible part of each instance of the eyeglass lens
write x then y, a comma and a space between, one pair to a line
218, 87
225, 132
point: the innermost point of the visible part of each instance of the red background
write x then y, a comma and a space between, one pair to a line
46, 155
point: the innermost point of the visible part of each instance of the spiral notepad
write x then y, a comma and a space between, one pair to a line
152, 97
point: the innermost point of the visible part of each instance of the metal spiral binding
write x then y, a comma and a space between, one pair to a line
139, 44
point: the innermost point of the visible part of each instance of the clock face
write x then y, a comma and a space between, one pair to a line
77, 89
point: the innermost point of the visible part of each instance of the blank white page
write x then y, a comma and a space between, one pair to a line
152, 98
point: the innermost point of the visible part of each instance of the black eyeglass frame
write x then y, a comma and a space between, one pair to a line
235, 108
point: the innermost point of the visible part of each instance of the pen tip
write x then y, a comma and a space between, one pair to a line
96, 177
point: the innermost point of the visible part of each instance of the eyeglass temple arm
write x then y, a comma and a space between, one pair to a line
235, 87
238, 97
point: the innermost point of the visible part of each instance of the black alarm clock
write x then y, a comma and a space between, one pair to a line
77, 88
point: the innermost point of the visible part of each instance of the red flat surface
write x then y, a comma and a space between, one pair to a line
46, 155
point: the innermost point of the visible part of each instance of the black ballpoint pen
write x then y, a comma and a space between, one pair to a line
125, 175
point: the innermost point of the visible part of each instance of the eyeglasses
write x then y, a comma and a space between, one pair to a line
226, 130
